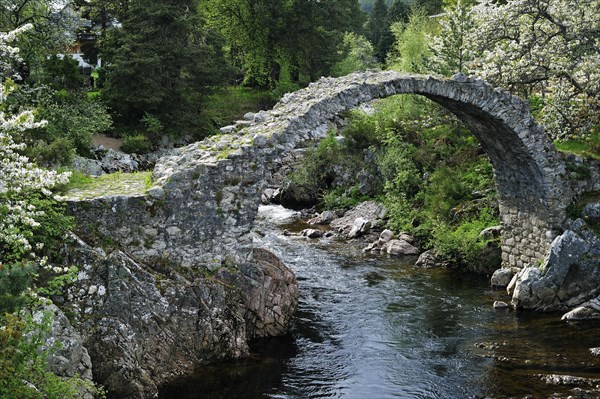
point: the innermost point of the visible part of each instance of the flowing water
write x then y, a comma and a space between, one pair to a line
372, 327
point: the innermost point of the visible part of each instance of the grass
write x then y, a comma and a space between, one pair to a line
229, 104
82, 186
587, 148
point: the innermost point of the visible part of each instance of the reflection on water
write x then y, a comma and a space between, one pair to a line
373, 327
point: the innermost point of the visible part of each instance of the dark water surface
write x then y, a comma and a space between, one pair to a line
372, 327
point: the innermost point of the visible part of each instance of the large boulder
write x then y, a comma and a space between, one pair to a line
146, 324
587, 311
568, 277
400, 247
369, 211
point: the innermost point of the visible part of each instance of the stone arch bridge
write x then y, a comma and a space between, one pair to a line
204, 200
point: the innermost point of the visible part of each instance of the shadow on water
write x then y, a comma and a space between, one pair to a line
379, 328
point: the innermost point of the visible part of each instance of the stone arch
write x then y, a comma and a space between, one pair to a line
527, 168
206, 196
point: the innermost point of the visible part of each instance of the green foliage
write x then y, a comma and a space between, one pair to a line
358, 55
230, 103
450, 48
587, 147
15, 278
77, 118
44, 236
53, 284
284, 83
462, 244
340, 198
265, 36
317, 172
136, 143
162, 61
72, 118
410, 52
23, 364
62, 73
377, 25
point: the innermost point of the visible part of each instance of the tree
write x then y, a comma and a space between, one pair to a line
295, 36
543, 48
51, 30
358, 55
398, 12
410, 52
430, 7
450, 50
162, 62
377, 25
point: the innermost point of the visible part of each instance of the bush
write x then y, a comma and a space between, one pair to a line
72, 118
462, 244
136, 143
23, 363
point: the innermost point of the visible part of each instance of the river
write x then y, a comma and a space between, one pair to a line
376, 327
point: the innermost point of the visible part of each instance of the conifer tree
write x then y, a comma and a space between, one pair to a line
160, 63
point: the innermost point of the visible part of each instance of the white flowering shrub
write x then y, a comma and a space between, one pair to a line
547, 49
31, 220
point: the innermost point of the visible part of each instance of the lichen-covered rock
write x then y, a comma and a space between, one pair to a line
145, 325
71, 356
568, 277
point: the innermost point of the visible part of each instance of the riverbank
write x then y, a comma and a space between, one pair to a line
377, 326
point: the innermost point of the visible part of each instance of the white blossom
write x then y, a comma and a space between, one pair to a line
549, 49
19, 176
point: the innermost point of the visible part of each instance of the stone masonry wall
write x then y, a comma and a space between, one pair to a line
205, 197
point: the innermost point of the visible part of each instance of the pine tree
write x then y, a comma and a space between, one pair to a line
376, 27
160, 63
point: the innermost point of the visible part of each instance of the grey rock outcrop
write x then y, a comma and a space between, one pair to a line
145, 325
568, 277
71, 358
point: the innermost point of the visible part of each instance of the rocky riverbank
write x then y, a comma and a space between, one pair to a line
139, 326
